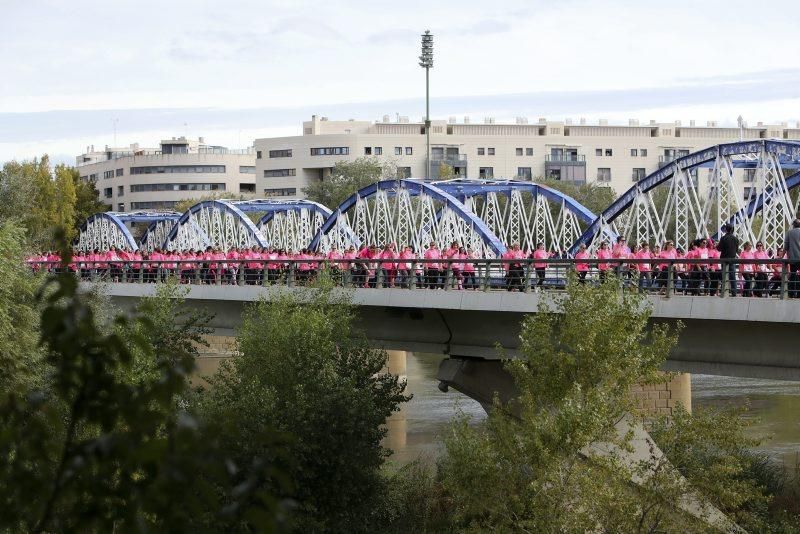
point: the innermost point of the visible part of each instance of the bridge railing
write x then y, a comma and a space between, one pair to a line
776, 278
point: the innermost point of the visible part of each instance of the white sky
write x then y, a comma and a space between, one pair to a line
241, 69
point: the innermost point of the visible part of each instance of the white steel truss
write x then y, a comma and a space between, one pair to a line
102, 233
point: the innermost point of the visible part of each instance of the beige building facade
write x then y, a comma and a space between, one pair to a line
602, 153
135, 178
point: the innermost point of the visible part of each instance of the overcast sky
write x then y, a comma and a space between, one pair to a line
233, 71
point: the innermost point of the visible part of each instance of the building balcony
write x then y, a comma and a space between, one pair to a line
454, 160
565, 159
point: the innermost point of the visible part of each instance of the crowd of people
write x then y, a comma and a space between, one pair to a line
697, 271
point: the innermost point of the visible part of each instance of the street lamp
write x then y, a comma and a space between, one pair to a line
426, 62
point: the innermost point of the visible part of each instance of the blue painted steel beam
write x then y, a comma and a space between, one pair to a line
787, 149
115, 220
415, 188
224, 206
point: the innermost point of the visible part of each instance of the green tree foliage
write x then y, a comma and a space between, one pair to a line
92, 452
43, 200
347, 177
555, 458
594, 196
20, 357
304, 369
446, 172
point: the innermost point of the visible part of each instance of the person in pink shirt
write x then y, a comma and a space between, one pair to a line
761, 271
540, 266
582, 267
405, 268
453, 267
777, 272
233, 266
645, 268
604, 253
388, 266
747, 270
468, 268
433, 269
114, 264
714, 270
621, 251
664, 267
334, 264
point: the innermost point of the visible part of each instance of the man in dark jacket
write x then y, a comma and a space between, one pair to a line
728, 248
792, 245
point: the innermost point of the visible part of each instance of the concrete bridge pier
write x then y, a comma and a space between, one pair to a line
483, 379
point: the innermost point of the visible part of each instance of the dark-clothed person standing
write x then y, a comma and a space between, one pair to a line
728, 248
792, 245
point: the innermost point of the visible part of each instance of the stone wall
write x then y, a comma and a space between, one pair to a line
660, 399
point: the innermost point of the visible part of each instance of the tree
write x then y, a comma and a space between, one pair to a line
347, 177
594, 196
20, 357
303, 368
446, 172
66, 200
554, 458
87, 197
92, 452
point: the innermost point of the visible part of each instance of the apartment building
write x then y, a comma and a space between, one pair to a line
610, 154
136, 178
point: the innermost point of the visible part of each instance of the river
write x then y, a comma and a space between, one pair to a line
418, 429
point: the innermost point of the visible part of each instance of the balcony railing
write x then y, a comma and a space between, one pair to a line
454, 160
568, 159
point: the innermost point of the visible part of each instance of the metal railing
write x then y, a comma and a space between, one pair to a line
565, 158
776, 278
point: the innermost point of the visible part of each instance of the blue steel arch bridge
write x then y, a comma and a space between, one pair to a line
749, 184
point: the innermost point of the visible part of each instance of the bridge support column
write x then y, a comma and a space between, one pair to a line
397, 424
661, 399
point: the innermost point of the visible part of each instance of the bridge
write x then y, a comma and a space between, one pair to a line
692, 196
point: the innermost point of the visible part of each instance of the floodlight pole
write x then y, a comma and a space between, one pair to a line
426, 62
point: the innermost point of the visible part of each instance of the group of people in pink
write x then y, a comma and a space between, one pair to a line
455, 266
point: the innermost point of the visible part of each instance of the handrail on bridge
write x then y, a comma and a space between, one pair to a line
715, 277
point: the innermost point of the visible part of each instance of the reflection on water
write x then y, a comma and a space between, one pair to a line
774, 404
418, 428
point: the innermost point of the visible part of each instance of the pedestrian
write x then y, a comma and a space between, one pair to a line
792, 245
728, 248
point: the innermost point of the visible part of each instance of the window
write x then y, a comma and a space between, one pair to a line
93, 177
403, 172
367, 150
486, 172
666, 132
524, 173
609, 152
330, 151
409, 151
120, 190
121, 206
643, 152
247, 169
598, 152
490, 151
120, 172
398, 151
604, 174
169, 169
555, 131
154, 205
286, 153
379, 151
637, 174
276, 173
258, 154
529, 152
108, 192
247, 188
519, 151
748, 191
143, 188
280, 192
108, 174
634, 152
749, 175
481, 151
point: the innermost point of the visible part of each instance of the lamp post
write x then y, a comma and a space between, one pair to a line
426, 62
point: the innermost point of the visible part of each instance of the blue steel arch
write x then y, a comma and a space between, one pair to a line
757, 204
463, 189
272, 207
788, 149
415, 188
154, 218
224, 206
115, 219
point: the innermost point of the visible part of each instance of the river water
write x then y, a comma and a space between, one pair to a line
418, 429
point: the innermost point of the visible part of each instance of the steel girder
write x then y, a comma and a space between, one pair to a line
405, 212
217, 223
686, 208
103, 231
